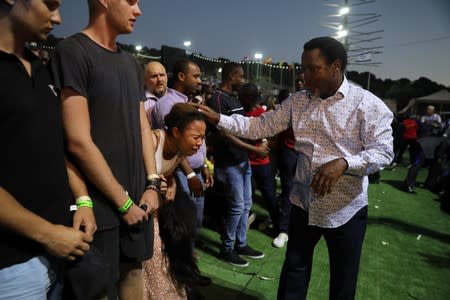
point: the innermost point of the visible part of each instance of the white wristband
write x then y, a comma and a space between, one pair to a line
190, 175
152, 176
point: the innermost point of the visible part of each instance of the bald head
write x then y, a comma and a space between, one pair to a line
155, 78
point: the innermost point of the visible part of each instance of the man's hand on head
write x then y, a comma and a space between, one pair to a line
208, 112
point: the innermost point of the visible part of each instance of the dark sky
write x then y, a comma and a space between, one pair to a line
416, 35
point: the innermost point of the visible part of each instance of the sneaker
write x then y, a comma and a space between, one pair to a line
249, 252
280, 240
233, 258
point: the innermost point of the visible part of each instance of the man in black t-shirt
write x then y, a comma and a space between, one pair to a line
232, 170
108, 133
34, 188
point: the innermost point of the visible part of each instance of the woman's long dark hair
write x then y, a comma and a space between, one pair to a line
177, 219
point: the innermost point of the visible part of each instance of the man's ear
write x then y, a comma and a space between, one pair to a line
337, 65
181, 76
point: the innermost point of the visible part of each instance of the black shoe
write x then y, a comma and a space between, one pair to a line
202, 280
233, 258
249, 252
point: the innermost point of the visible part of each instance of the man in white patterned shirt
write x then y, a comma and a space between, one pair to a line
342, 133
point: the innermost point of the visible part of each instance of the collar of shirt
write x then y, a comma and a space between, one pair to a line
150, 96
172, 92
341, 93
343, 89
219, 90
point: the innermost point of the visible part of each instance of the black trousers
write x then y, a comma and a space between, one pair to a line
344, 250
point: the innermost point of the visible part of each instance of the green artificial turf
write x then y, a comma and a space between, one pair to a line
406, 252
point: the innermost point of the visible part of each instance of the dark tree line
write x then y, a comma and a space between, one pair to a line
401, 90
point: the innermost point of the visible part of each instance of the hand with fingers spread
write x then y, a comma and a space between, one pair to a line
327, 176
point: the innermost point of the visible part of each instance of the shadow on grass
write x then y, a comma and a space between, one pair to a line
208, 245
438, 261
217, 292
410, 228
394, 183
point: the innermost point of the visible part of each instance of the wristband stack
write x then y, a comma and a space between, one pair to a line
84, 201
153, 183
126, 207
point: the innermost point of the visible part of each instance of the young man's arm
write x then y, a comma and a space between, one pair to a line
59, 240
84, 215
88, 157
149, 197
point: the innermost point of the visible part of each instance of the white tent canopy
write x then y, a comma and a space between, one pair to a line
441, 97
438, 99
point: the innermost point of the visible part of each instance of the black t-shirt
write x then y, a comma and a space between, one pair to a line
225, 153
32, 167
112, 83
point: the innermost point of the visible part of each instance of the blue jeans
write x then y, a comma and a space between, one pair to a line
237, 182
287, 164
183, 186
31, 280
265, 182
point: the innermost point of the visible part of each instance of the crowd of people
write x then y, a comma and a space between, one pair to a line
117, 163
427, 140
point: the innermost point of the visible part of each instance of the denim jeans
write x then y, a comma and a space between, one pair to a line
237, 182
30, 280
287, 164
183, 186
266, 184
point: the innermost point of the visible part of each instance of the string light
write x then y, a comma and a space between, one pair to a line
205, 58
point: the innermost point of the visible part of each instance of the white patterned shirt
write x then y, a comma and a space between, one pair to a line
353, 124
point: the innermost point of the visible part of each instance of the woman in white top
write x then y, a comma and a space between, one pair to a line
172, 270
